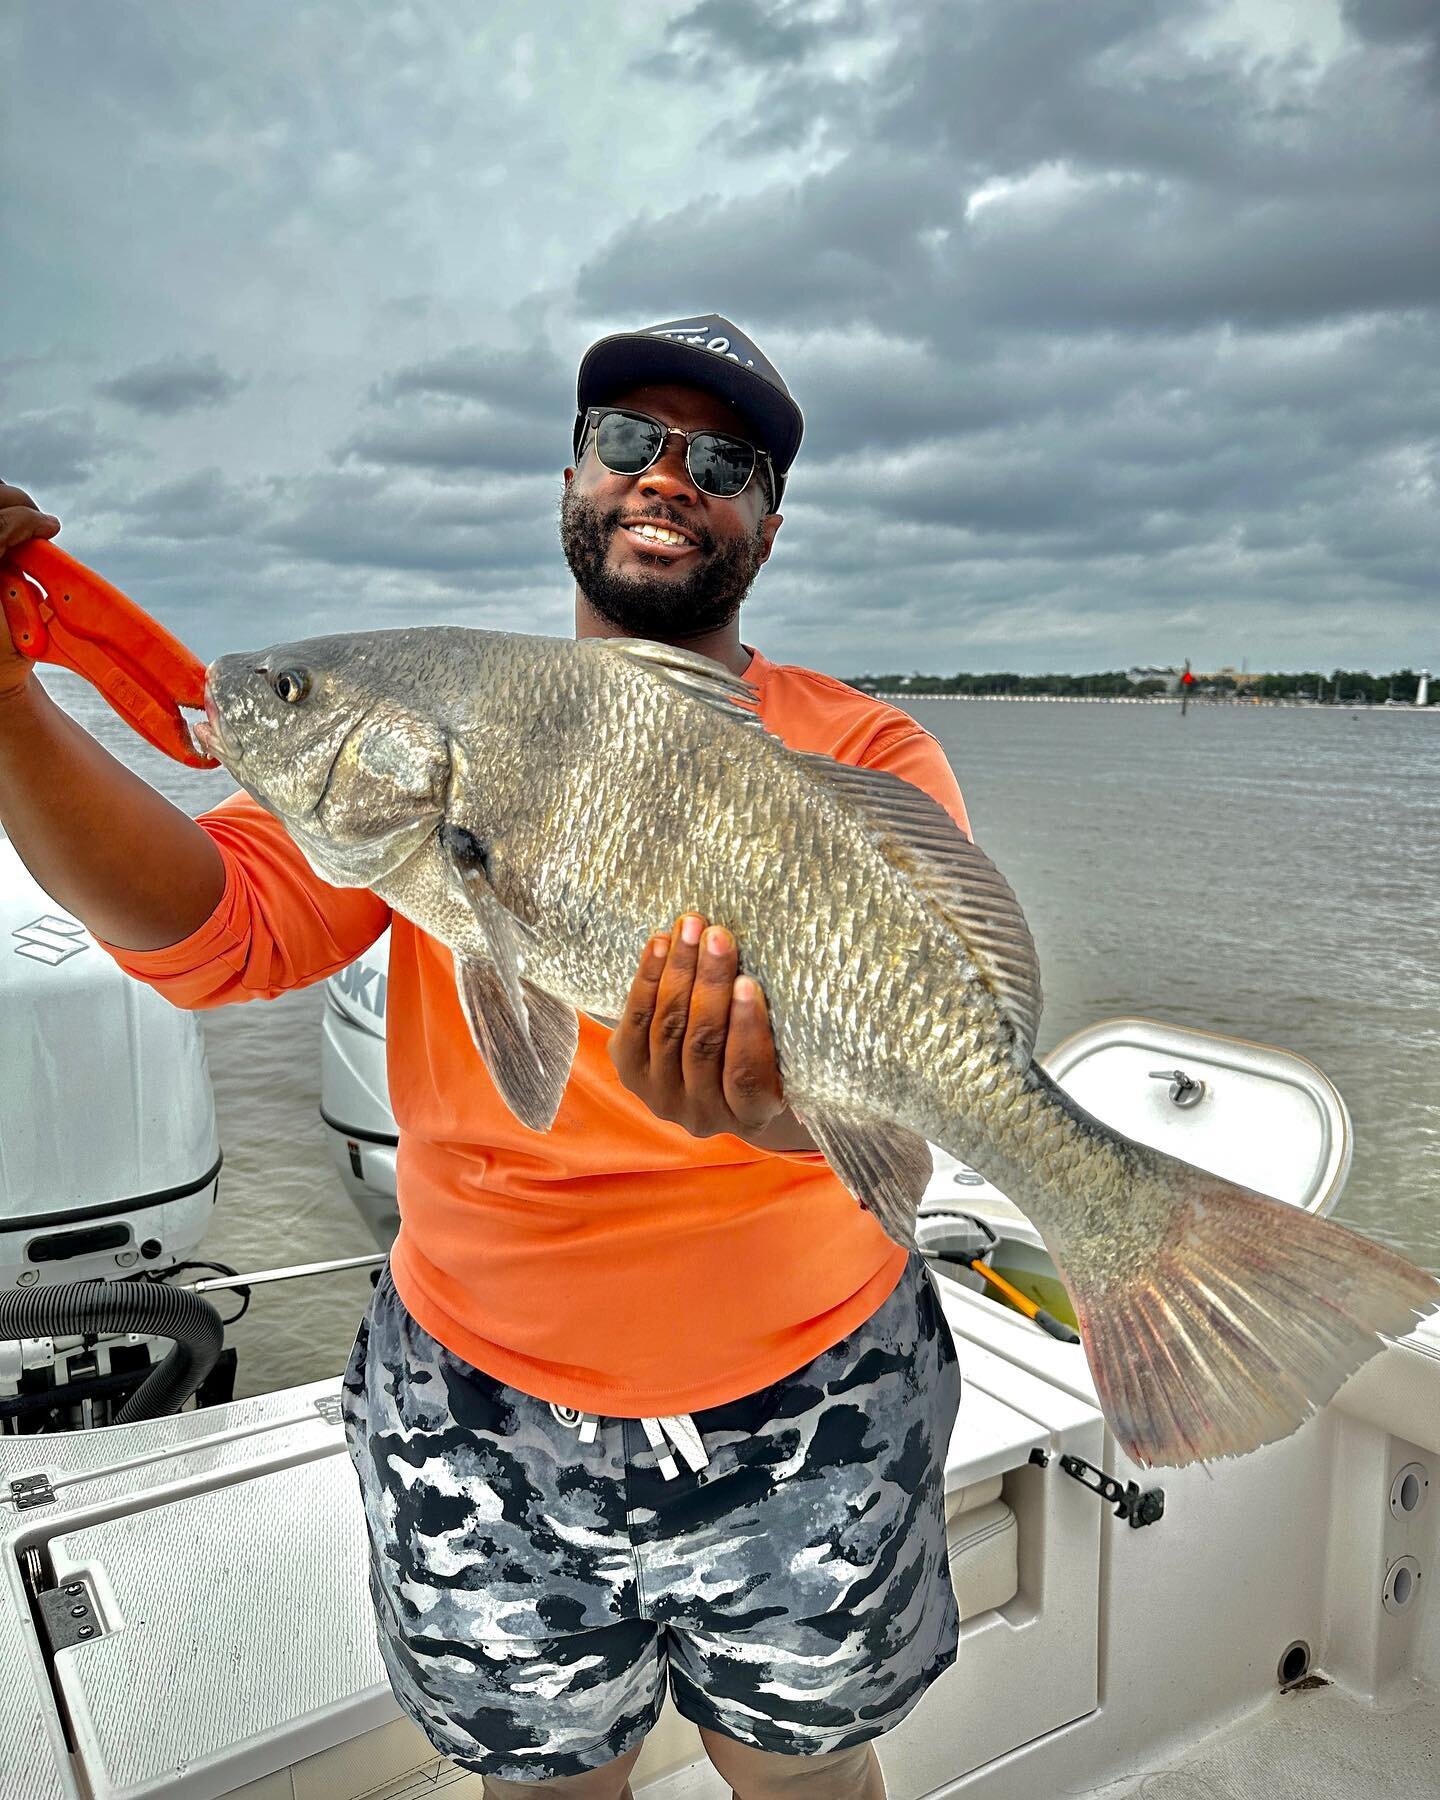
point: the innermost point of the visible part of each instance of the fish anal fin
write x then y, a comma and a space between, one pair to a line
884, 1167
528, 1054
957, 876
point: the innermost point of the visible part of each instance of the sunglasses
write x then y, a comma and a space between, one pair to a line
627, 443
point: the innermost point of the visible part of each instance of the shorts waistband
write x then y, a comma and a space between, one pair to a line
670, 1429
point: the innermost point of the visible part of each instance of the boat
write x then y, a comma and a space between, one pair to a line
183, 1600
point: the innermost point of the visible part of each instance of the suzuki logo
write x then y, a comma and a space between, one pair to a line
51, 940
366, 987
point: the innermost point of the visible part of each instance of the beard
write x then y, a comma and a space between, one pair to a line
706, 600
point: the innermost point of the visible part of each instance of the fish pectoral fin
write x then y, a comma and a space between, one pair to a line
468, 861
526, 1036
885, 1167
527, 1052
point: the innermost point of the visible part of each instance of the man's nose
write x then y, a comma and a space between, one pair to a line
668, 477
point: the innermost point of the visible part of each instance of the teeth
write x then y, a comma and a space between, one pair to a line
659, 533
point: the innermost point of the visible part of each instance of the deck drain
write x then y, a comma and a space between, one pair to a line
1294, 1664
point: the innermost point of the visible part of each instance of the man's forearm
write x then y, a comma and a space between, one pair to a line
101, 842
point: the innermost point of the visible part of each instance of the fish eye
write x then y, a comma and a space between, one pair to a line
292, 685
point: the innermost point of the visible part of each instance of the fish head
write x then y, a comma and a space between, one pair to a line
324, 735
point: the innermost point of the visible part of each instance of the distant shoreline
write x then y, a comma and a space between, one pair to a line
1158, 700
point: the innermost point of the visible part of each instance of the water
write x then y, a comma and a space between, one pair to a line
1260, 871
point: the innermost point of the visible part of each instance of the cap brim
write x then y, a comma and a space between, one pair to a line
634, 359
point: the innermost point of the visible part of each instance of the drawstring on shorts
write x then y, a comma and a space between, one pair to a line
678, 1428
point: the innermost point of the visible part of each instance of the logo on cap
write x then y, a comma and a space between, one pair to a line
697, 336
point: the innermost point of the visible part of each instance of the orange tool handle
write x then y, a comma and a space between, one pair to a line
82, 623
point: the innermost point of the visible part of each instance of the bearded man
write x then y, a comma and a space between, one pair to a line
647, 1401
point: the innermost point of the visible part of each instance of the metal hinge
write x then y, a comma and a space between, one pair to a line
1135, 1507
68, 1615
31, 1490
328, 1407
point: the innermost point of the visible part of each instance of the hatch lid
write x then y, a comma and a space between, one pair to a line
1267, 1118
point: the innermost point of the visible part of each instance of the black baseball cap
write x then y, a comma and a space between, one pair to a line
705, 352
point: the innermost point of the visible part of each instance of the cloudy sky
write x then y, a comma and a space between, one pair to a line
1116, 324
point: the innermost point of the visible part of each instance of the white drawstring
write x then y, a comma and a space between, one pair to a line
679, 1428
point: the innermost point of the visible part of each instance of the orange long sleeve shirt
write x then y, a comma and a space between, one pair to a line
613, 1264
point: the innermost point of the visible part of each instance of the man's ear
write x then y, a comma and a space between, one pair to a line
769, 525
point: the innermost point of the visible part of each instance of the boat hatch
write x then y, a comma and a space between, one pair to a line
1264, 1117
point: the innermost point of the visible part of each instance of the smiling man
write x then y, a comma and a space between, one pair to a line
737, 1486
647, 1400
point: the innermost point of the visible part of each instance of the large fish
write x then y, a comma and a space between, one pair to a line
542, 806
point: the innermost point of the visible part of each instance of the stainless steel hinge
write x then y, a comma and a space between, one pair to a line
31, 1490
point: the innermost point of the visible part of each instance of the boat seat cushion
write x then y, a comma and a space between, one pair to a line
966, 1499
981, 1545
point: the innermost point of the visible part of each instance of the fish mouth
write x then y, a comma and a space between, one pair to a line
207, 731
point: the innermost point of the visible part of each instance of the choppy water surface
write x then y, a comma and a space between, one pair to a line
1265, 872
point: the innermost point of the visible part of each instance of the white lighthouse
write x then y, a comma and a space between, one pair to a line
1422, 693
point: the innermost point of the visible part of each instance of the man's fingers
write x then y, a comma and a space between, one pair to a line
21, 519
630, 1040
703, 1055
672, 1007
752, 1086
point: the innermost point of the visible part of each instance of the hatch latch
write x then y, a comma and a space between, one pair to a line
1130, 1504
1185, 1090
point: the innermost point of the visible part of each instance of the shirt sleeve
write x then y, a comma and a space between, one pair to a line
909, 751
277, 926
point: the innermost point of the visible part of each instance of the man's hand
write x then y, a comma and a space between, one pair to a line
20, 520
695, 1043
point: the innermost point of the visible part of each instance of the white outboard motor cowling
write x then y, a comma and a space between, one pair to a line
109, 1152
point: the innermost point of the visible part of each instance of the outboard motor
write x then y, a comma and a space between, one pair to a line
354, 1091
109, 1166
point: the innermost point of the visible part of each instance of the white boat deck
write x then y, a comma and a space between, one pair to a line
236, 1657
1312, 1742
1315, 1741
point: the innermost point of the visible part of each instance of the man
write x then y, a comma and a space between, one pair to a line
647, 1396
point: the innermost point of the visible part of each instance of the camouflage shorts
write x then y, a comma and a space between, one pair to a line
533, 1589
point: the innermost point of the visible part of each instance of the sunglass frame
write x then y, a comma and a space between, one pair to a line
594, 415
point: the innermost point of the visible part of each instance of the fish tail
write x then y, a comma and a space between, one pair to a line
1246, 1322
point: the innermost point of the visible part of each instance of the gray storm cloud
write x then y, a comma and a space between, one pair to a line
1116, 326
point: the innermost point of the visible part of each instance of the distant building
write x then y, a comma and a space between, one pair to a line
1236, 677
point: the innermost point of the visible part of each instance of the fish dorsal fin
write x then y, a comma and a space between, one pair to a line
958, 876
698, 676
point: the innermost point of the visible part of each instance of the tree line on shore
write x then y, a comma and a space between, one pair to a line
1351, 687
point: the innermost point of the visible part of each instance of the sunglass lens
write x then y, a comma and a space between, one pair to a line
721, 465
625, 444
